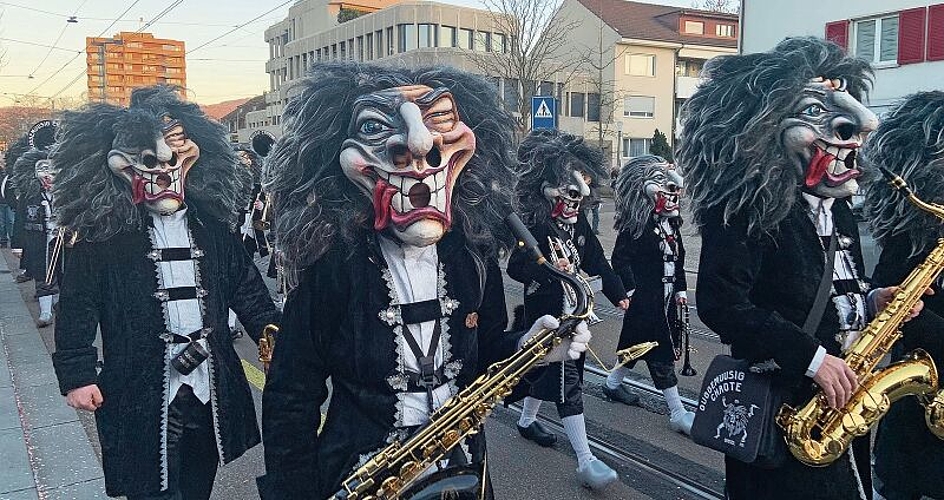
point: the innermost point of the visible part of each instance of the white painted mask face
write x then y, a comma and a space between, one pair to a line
405, 149
565, 199
45, 173
664, 188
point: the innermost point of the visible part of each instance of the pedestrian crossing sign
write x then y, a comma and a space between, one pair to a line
543, 113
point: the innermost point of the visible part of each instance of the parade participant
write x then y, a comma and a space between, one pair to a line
10, 197
554, 169
769, 145
389, 210
649, 257
910, 143
153, 192
36, 227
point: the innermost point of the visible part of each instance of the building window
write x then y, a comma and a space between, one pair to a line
466, 39
360, 48
390, 44
725, 30
876, 40
379, 36
448, 36
689, 67
407, 37
343, 49
427, 36
695, 27
593, 107
369, 43
499, 43
633, 147
577, 103
510, 94
639, 107
334, 52
641, 64
546, 89
483, 41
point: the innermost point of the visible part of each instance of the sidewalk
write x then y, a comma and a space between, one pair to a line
46, 452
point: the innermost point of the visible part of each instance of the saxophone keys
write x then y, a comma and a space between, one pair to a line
409, 469
855, 424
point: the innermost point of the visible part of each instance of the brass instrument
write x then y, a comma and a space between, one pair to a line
56, 256
267, 346
392, 472
558, 254
685, 327
817, 434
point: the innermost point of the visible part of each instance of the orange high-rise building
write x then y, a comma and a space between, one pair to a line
128, 60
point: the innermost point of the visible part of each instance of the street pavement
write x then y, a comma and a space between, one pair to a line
61, 442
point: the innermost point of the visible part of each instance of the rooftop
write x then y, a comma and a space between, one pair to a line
643, 21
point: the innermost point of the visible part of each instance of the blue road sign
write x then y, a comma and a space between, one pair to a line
543, 112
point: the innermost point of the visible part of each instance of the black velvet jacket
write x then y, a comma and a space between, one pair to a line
639, 263
111, 285
332, 330
907, 455
29, 233
756, 294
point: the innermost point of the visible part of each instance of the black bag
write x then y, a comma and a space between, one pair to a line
737, 410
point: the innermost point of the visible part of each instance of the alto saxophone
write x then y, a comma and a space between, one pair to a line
816, 434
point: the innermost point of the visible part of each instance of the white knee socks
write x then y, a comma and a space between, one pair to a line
576, 428
232, 320
45, 306
529, 411
615, 378
674, 401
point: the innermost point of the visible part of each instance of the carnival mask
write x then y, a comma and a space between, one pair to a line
157, 174
823, 136
45, 173
565, 199
664, 187
406, 147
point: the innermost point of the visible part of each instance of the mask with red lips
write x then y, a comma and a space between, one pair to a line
823, 136
46, 174
406, 147
565, 199
664, 187
157, 175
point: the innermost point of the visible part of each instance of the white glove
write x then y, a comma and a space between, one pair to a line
569, 348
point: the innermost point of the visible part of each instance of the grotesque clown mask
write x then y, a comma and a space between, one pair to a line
565, 199
663, 186
157, 170
405, 148
823, 135
45, 173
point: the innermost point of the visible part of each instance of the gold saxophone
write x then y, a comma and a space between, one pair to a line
393, 471
816, 434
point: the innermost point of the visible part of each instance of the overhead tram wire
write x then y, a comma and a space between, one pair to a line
56, 43
66, 16
204, 44
35, 44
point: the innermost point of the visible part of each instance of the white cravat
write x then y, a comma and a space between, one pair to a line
415, 271
183, 316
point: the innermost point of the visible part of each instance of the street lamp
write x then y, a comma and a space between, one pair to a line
619, 144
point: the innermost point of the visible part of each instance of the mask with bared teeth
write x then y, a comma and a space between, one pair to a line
157, 174
406, 147
565, 199
664, 186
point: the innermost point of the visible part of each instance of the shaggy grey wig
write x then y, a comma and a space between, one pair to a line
730, 145
910, 143
633, 205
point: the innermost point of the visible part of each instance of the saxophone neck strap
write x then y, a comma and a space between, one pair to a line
825, 285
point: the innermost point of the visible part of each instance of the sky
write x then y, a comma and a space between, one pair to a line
230, 67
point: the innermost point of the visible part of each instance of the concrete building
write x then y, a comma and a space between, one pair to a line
903, 39
648, 61
117, 65
246, 118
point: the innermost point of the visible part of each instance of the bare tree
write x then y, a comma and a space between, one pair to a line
599, 77
535, 33
729, 6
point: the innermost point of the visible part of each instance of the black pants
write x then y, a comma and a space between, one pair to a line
192, 457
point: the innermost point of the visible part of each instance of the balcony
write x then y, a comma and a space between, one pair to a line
685, 86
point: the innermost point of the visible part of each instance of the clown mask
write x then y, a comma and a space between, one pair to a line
823, 136
157, 174
565, 199
664, 186
406, 147
45, 173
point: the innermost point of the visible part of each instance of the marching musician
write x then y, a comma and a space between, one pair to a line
769, 145
153, 192
649, 257
389, 210
556, 173
909, 459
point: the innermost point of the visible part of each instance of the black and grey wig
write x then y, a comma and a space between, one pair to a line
255, 163
317, 207
13, 153
96, 203
546, 158
634, 208
910, 143
729, 146
24, 173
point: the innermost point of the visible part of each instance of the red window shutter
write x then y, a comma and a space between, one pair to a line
838, 33
936, 32
911, 35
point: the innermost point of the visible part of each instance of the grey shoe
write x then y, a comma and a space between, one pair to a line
596, 474
621, 395
683, 423
44, 320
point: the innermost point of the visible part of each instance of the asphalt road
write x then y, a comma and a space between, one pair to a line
652, 461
